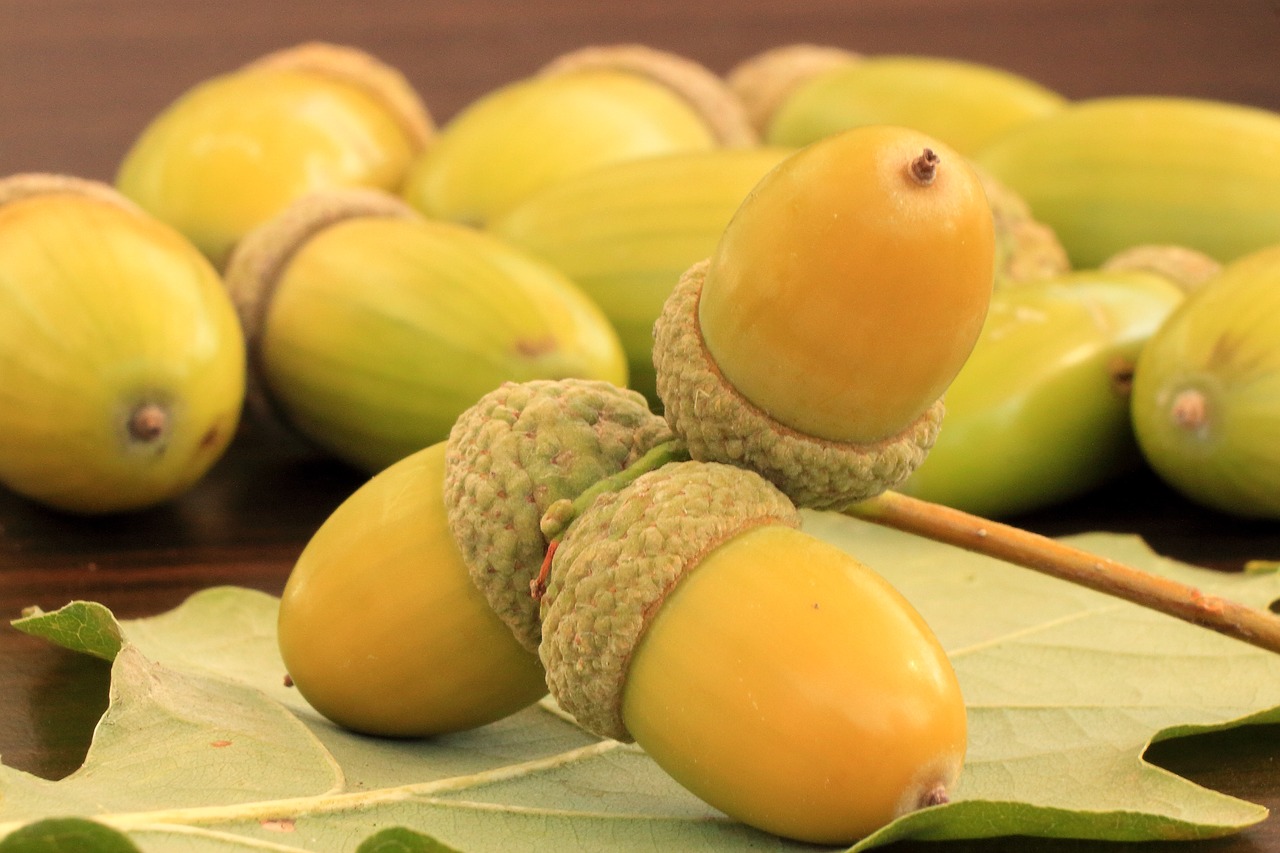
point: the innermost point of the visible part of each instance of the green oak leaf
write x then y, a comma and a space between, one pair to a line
203, 744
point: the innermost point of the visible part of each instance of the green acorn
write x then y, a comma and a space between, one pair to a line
1206, 391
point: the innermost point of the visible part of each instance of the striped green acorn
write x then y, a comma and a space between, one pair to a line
965, 104
1206, 393
626, 232
372, 328
1112, 173
586, 109
1039, 412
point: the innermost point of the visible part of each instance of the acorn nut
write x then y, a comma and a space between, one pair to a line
1206, 391
372, 328
521, 449
380, 627
585, 109
768, 672
233, 151
841, 300
121, 361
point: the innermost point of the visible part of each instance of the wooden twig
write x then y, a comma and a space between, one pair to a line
1049, 556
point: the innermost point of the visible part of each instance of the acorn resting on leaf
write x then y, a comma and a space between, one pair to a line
767, 671
121, 361
844, 295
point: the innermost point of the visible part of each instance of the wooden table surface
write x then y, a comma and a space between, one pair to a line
79, 78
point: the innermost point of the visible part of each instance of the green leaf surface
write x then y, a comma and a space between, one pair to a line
205, 748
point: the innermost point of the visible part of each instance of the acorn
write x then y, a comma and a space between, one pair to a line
1187, 268
583, 110
770, 673
1111, 173
528, 450
372, 328
233, 151
964, 104
121, 361
380, 627
625, 232
1206, 391
843, 297
1039, 414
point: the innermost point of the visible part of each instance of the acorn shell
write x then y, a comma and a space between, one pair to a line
380, 627
965, 104
1039, 413
374, 328
121, 360
1206, 392
582, 111
235, 149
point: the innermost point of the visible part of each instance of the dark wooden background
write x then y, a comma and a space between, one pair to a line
79, 79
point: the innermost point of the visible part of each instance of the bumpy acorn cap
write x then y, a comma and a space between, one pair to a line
1026, 248
618, 562
261, 256
521, 448
720, 425
351, 65
1188, 268
763, 82
706, 92
31, 184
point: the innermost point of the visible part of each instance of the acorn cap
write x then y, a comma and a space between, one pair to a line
518, 450
763, 82
720, 425
618, 562
383, 83
31, 184
261, 256
1188, 268
1026, 248
709, 95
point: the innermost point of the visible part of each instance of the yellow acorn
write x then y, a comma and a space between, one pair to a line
625, 232
372, 328
121, 360
964, 104
234, 150
770, 673
380, 626
765, 80
1039, 413
1113, 173
585, 109
842, 299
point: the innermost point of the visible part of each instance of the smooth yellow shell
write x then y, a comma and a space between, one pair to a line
236, 149
534, 132
380, 626
102, 311
844, 295
794, 689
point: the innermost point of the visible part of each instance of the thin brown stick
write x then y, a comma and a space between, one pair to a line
1030, 550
